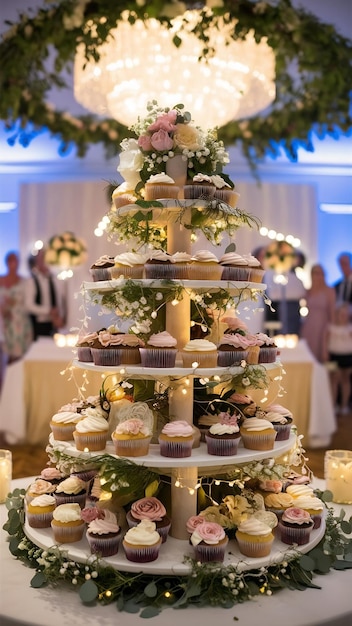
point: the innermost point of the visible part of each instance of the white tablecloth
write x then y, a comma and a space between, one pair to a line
23, 606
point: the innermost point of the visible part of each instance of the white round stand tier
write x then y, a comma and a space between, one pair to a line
173, 552
231, 286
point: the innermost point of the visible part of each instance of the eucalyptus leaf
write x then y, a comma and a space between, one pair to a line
88, 592
131, 606
346, 527
307, 563
149, 611
151, 590
39, 580
13, 545
341, 565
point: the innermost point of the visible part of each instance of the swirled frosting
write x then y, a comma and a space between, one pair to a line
148, 508
181, 257
233, 322
278, 408
275, 418
252, 424
219, 182
264, 340
177, 428
66, 417
158, 255
122, 189
71, 485
104, 525
209, 532
43, 500
309, 502
129, 340
158, 179
223, 429
92, 424
41, 486
202, 178
278, 500
87, 339
251, 260
232, 258
199, 345
144, 534
296, 491
267, 517
91, 512
162, 340
133, 426
65, 513
237, 341
296, 515
130, 259
254, 526
193, 522
204, 256
50, 473
105, 259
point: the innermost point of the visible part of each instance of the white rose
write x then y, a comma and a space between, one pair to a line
131, 162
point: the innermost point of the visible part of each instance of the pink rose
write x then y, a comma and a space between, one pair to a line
226, 418
148, 508
296, 515
275, 486
161, 141
145, 143
193, 522
164, 122
132, 426
240, 398
209, 532
90, 513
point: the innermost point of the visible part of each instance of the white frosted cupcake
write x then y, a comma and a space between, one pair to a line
40, 511
152, 509
254, 538
222, 438
67, 524
199, 353
159, 265
204, 266
122, 195
160, 186
142, 542
128, 265
159, 351
224, 192
71, 490
257, 434
200, 187
234, 267
91, 432
63, 424
181, 262
256, 270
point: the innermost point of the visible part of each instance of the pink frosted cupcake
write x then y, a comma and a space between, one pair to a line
52, 474
160, 351
307, 501
92, 431
254, 538
222, 438
151, 509
128, 265
268, 348
234, 348
209, 541
234, 267
295, 526
103, 534
142, 543
204, 266
132, 438
67, 524
63, 424
257, 434
84, 345
176, 439
71, 490
40, 511
116, 348
193, 522
281, 419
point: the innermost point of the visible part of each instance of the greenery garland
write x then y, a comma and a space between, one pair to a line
313, 69
206, 585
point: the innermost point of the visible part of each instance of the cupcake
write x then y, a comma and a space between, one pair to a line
160, 186
204, 265
234, 267
209, 542
142, 543
159, 351
100, 270
103, 534
122, 195
150, 509
63, 424
91, 431
40, 511
254, 538
180, 265
224, 192
159, 265
200, 187
313, 506
67, 524
84, 345
128, 265
116, 348
222, 438
71, 490
38, 488
278, 502
176, 439
257, 434
295, 526
53, 475
282, 423
244, 403
234, 348
256, 271
132, 438
199, 353
268, 348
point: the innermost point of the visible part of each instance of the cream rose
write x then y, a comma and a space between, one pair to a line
188, 137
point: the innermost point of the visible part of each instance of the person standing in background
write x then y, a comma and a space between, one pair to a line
17, 328
321, 301
43, 301
343, 287
339, 347
2, 347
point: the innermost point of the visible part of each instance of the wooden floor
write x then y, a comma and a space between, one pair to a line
30, 460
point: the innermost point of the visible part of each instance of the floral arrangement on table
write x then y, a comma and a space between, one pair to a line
66, 250
280, 256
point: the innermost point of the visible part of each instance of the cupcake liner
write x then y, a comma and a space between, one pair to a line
104, 546
91, 442
159, 271
198, 191
141, 554
116, 356
317, 518
205, 271
255, 549
256, 275
69, 499
228, 196
206, 553
227, 358
299, 535
39, 520
204, 359
156, 192
100, 273
175, 449
132, 447
258, 441
181, 271
136, 271
63, 432
282, 431
68, 534
235, 273
158, 357
267, 355
222, 446
84, 354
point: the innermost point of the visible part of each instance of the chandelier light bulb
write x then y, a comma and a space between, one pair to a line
140, 63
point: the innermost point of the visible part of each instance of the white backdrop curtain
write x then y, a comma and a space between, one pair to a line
47, 209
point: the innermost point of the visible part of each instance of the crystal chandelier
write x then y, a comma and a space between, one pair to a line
140, 63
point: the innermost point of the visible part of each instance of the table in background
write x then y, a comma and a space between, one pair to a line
22, 605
